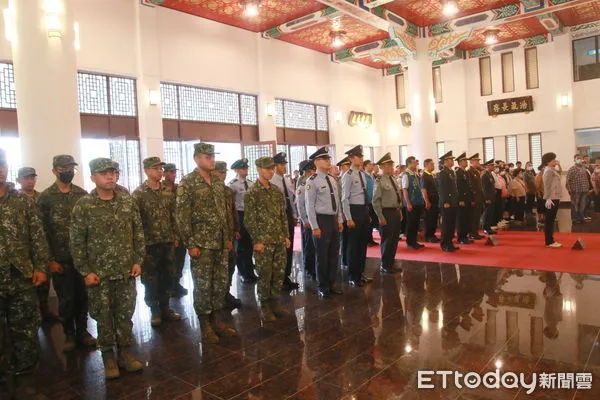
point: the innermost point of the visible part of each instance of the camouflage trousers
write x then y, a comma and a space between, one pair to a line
112, 304
158, 270
180, 252
20, 316
210, 275
72, 298
270, 266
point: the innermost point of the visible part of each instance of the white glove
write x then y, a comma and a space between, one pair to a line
549, 204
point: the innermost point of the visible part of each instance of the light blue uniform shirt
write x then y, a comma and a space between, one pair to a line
318, 198
283, 184
352, 190
301, 202
239, 191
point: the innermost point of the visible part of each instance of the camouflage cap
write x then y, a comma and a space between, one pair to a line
170, 167
3, 160
102, 164
63, 160
25, 172
204, 148
221, 166
152, 162
116, 166
265, 162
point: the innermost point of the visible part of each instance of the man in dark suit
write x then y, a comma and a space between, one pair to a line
489, 197
430, 194
465, 199
448, 202
477, 209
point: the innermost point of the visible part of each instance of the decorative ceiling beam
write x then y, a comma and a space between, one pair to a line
502, 15
394, 19
531, 41
585, 30
385, 50
303, 22
375, 3
355, 9
394, 70
552, 24
454, 55
444, 46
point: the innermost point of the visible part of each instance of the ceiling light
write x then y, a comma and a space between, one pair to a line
449, 8
491, 36
251, 7
337, 38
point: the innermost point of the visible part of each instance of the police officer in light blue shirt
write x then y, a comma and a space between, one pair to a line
240, 186
307, 169
355, 206
323, 208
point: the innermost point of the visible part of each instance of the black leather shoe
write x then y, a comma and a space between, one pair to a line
433, 240
477, 237
448, 249
289, 285
414, 246
323, 294
489, 232
390, 271
356, 283
333, 290
250, 279
465, 241
455, 248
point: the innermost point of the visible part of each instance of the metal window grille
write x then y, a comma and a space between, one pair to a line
198, 104
511, 149
169, 101
322, 118
279, 121
134, 169
488, 149
248, 109
299, 115
535, 149
485, 76
296, 155
441, 149
12, 147
531, 68
7, 86
283, 148
93, 93
122, 96
508, 73
254, 152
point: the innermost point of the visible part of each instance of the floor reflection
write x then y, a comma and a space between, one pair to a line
367, 344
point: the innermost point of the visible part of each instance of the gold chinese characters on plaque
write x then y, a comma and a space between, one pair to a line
510, 106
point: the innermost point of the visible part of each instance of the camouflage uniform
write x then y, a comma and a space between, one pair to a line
266, 220
180, 250
55, 209
23, 251
202, 216
107, 238
158, 218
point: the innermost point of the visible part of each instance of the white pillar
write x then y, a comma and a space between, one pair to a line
148, 79
46, 87
421, 103
266, 123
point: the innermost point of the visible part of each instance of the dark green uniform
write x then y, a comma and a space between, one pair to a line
107, 238
266, 220
465, 197
157, 211
23, 251
202, 221
448, 195
55, 208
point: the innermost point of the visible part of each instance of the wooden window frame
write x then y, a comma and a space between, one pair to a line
513, 71
493, 147
537, 69
574, 55
481, 60
531, 150
516, 147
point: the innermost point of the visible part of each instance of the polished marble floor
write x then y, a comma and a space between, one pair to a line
367, 344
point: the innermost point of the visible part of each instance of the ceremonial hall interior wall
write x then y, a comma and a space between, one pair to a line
156, 44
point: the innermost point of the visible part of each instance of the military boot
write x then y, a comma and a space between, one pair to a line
208, 335
266, 314
156, 317
111, 369
128, 361
221, 328
278, 311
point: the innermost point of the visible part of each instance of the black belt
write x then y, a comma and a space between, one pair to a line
359, 205
392, 208
326, 215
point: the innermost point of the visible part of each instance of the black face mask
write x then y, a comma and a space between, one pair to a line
66, 177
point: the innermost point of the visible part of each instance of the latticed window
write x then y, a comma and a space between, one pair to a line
488, 149
511, 149
12, 147
485, 76
134, 170
508, 73
122, 96
403, 154
7, 86
535, 149
279, 121
248, 109
169, 106
296, 115
322, 118
253, 153
93, 93
441, 149
437, 84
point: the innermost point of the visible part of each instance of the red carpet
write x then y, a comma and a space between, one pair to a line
516, 249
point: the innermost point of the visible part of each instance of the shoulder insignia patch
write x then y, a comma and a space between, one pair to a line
308, 187
180, 191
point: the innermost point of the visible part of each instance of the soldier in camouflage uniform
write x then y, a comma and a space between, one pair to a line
119, 188
170, 174
27, 178
221, 173
23, 259
55, 205
157, 210
266, 220
107, 245
202, 221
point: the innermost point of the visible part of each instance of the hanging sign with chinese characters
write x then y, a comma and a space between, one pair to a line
510, 106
